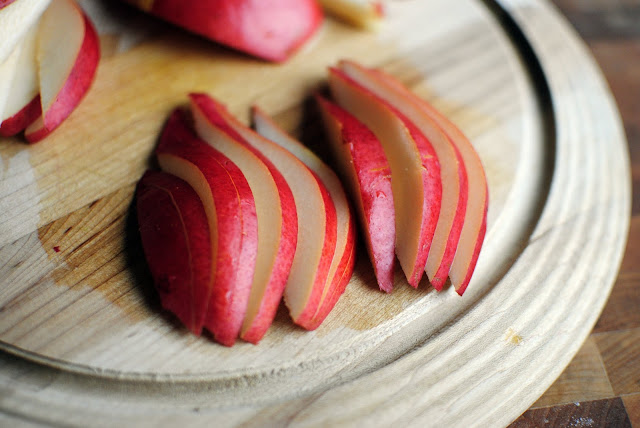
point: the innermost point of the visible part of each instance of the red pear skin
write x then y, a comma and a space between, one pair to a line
340, 280
430, 173
329, 252
75, 88
232, 217
317, 228
365, 168
268, 29
344, 218
23, 118
175, 237
475, 221
453, 171
439, 279
217, 115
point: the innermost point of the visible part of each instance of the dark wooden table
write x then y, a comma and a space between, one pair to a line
601, 386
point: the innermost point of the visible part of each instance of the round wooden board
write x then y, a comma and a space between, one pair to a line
86, 343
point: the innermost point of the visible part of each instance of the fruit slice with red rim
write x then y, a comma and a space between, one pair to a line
68, 52
340, 280
8, 69
316, 223
275, 207
232, 218
475, 219
344, 221
23, 102
365, 169
452, 169
176, 241
415, 170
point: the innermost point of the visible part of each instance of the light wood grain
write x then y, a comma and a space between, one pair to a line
91, 344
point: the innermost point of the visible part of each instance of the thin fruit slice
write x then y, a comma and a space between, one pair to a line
8, 69
317, 226
16, 18
345, 235
269, 29
365, 168
452, 169
475, 219
415, 170
340, 280
176, 241
232, 218
23, 103
366, 14
67, 60
19, 121
276, 210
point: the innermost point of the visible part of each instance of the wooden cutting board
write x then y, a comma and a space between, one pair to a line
85, 340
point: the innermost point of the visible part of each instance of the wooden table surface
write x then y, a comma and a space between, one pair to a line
601, 386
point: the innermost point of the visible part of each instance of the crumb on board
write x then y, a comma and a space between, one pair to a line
512, 337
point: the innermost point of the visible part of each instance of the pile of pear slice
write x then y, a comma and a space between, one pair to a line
417, 182
239, 219
49, 54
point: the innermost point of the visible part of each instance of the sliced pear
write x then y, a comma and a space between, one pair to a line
452, 169
365, 169
68, 52
232, 218
176, 241
16, 18
275, 206
475, 219
268, 128
8, 69
415, 170
317, 228
23, 103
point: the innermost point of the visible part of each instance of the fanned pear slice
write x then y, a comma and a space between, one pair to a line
366, 14
475, 218
19, 121
415, 170
365, 169
68, 52
8, 69
340, 280
176, 241
317, 229
16, 18
453, 172
275, 207
345, 231
23, 103
232, 218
